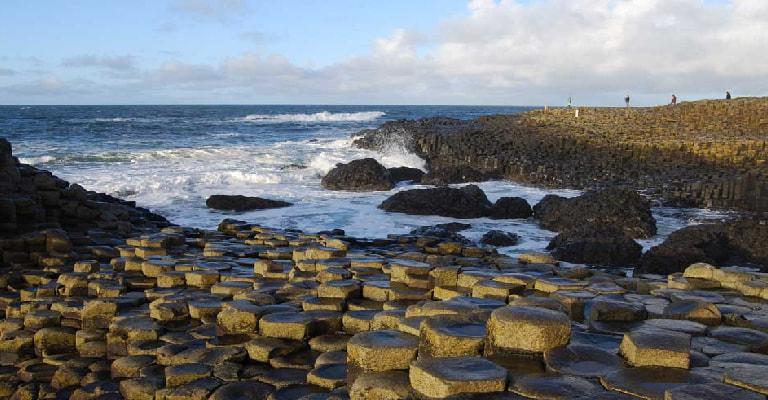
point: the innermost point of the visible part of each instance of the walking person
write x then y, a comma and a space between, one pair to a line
674, 99
570, 102
626, 100
727, 95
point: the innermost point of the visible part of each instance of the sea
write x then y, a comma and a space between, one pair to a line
170, 158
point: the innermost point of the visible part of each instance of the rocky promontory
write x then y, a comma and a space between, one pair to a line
709, 153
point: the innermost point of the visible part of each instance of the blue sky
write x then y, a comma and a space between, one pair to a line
380, 52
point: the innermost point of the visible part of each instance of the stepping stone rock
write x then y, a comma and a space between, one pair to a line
651, 382
693, 310
657, 348
329, 376
525, 329
387, 385
378, 351
553, 386
449, 336
711, 391
446, 376
242, 391
286, 325
754, 378
581, 360
178, 375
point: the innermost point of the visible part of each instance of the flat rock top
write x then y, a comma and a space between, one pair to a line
461, 368
384, 339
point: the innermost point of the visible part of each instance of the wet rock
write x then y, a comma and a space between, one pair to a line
618, 207
651, 382
499, 238
358, 175
711, 391
553, 386
754, 378
242, 203
467, 202
447, 376
694, 310
329, 376
403, 174
511, 208
596, 244
452, 175
582, 360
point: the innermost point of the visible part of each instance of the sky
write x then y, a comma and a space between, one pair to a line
479, 52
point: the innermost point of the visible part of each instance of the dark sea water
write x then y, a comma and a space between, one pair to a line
171, 158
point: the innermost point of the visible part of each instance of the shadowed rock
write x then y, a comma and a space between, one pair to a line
358, 175
242, 203
467, 202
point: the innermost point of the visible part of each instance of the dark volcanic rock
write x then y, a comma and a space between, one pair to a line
615, 206
467, 202
596, 244
401, 174
451, 175
511, 208
242, 203
718, 244
499, 238
548, 201
440, 232
293, 167
9, 173
404, 132
358, 175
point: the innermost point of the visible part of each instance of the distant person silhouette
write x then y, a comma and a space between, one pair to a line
727, 95
626, 100
674, 99
570, 101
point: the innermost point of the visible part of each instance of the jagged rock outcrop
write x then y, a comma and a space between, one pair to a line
721, 243
403, 174
511, 208
499, 238
33, 199
452, 175
707, 153
615, 206
358, 175
597, 244
467, 202
242, 203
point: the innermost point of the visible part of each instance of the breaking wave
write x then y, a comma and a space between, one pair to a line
324, 116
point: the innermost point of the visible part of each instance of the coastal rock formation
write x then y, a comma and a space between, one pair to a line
499, 238
33, 199
707, 153
358, 175
618, 207
720, 243
511, 208
452, 175
467, 202
598, 244
242, 203
404, 174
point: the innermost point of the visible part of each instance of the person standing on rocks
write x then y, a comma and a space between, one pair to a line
626, 100
570, 102
727, 95
674, 99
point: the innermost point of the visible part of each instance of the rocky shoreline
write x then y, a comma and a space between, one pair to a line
100, 299
709, 153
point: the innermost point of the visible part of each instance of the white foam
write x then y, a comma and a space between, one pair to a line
37, 160
323, 116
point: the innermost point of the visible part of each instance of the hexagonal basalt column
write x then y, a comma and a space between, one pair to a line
441, 377
525, 329
378, 351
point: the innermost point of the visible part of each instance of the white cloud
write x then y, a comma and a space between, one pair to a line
120, 63
507, 52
